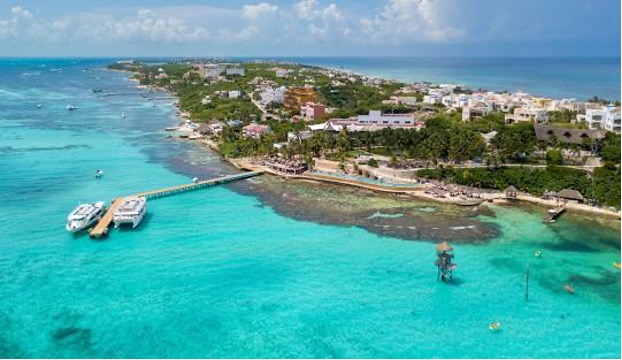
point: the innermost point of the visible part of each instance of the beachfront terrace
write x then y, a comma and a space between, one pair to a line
285, 166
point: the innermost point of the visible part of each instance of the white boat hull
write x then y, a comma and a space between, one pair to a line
80, 221
131, 212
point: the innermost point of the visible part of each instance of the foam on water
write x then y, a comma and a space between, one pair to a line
213, 273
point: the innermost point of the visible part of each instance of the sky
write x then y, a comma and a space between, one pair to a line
310, 28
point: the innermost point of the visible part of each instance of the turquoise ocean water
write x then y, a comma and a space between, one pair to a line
215, 274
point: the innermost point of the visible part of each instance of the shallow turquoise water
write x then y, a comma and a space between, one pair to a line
215, 274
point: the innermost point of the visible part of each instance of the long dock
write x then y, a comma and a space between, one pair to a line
154, 194
101, 229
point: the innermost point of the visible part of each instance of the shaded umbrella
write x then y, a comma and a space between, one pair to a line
444, 246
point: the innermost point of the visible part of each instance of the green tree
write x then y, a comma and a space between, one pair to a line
554, 157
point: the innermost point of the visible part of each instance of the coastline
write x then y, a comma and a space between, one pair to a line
492, 197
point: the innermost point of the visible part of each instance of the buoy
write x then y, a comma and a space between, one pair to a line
495, 326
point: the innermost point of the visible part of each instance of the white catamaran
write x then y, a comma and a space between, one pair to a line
132, 210
84, 216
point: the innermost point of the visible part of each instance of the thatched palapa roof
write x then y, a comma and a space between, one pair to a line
570, 194
570, 136
444, 246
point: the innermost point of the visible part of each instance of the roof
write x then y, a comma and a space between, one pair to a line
571, 136
510, 189
444, 246
570, 194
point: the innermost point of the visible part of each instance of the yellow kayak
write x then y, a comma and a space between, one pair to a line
616, 265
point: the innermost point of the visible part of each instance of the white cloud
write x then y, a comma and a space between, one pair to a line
23, 13
411, 20
256, 11
307, 9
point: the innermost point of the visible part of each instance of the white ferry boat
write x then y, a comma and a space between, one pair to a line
71, 107
84, 216
132, 210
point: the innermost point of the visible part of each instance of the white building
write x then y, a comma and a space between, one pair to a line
234, 94
270, 94
432, 98
523, 114
602, 117
401, 100
476, 111
211, 71
282, 72
235, 71
376, 118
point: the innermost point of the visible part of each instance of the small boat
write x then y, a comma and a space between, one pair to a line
616, 265
195, 180
95, 91
99, 173
495, 326
569, 288
39, 106
152, 105
194, 136
537, 253
122, 114
71, 107
84, 215
172, 128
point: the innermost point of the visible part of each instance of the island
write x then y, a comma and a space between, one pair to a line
445, 142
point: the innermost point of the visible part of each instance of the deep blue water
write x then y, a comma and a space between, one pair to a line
213, 273
580, 78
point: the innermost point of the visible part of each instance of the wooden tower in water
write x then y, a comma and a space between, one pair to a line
444, 262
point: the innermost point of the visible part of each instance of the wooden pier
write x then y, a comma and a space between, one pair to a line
196, 186
101, 229
551, 214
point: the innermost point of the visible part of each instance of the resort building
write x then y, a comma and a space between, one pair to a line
255, 131
375, 117
311, 111
476, 111
568, 136
374, 121
527, 114
294, 97
602, 117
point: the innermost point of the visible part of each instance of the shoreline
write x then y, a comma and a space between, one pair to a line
495, 197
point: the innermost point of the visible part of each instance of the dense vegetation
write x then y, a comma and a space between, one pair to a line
603, 186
